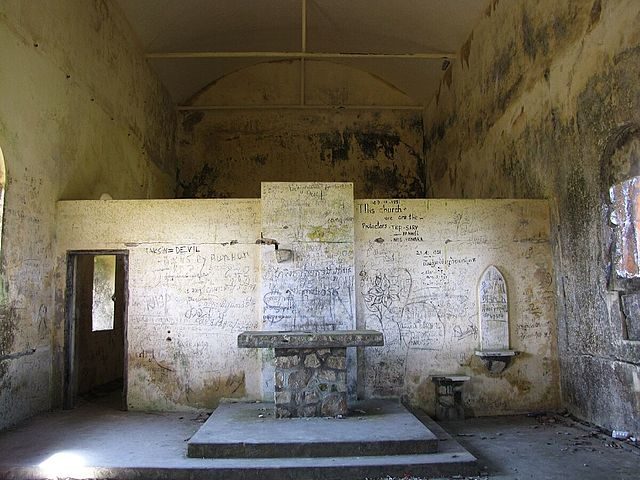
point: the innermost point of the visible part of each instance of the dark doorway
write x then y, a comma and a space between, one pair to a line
95, 328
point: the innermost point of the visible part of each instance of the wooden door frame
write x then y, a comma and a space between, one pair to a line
70, 380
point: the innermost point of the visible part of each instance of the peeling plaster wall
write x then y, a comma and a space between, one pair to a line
227, 153
544, 102
81, 114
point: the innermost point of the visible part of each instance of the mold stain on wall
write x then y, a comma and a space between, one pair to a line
549, 129
103, 123
225, 154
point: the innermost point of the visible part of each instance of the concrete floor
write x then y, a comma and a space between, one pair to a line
545, 447
517, 447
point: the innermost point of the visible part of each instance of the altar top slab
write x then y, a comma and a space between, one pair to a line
306, 339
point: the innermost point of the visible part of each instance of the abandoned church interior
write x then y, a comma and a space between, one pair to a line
352, 230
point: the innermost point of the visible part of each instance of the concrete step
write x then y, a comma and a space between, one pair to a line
434, 465
250, 430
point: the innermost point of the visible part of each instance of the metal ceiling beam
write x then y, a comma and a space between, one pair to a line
298, 107
303, 48
307, 55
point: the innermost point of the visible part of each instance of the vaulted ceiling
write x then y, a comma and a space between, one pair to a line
191, 43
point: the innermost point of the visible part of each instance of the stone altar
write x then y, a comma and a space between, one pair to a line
310, 368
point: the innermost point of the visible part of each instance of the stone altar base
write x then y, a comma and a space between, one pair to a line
249, 430
310, 382
310, 368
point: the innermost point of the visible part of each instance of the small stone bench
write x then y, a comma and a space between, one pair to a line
449, 402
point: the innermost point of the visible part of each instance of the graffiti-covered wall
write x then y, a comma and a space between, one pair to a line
193, 286
409, 268
418, 266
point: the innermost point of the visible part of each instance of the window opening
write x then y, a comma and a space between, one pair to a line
104, 290
625, 258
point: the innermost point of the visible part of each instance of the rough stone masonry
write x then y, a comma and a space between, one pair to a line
310, 382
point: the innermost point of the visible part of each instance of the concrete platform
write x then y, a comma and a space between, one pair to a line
250, 430
99, 442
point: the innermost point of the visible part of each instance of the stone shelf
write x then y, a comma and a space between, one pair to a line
496, 353
450, 378
303, 339
496, 361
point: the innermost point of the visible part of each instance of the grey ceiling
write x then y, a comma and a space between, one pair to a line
332, 26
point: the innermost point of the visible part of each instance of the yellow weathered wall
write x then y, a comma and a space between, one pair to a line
544, 102
81, 114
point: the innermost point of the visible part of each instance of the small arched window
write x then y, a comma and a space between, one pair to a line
625, 253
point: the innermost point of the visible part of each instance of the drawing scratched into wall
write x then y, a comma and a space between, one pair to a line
314, 290
418, 263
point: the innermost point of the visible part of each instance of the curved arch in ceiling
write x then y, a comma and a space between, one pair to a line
184, 78
174, 32
279, 83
